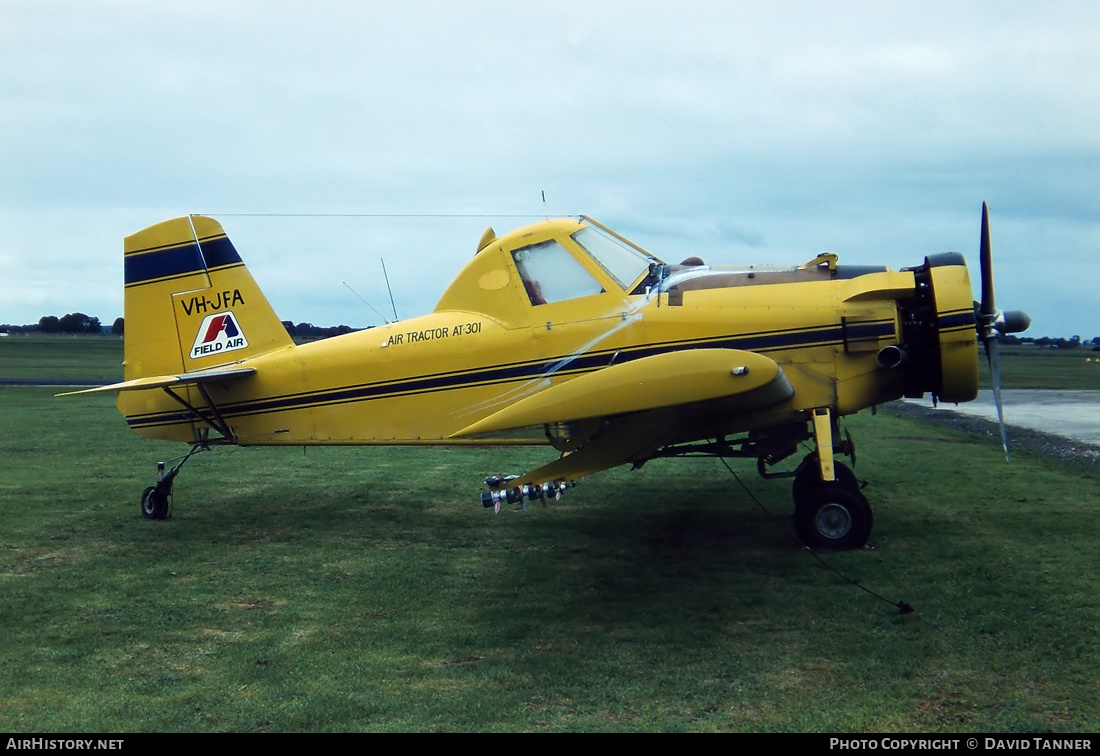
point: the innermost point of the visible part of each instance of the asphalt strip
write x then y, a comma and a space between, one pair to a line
1078, 455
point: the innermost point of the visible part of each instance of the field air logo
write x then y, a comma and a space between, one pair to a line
218, 333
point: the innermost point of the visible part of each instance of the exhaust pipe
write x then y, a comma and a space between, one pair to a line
890, 357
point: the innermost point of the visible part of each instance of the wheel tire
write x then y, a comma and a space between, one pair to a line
154, 505
808, 477
833, 516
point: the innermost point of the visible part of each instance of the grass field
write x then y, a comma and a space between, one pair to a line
68, 357
1036, 367
366, 589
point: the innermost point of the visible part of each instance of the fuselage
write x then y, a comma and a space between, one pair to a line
497, 337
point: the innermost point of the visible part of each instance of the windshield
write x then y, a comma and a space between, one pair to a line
621, 261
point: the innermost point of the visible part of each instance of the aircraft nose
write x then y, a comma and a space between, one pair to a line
1013, 321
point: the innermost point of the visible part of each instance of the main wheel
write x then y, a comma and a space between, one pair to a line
808, 477
833, 516
154, 504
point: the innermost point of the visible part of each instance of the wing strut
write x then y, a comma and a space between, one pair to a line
217, 422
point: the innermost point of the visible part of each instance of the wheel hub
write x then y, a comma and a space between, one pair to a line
833, 520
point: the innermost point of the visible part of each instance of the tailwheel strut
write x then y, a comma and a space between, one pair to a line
155, 499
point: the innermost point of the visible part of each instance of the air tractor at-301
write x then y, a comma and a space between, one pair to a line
566, 334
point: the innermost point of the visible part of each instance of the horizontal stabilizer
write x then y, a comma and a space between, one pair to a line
163, 381
662, 380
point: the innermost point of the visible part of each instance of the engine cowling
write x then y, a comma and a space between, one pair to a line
939, 327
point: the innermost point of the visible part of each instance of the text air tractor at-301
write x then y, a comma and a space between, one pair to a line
567, 334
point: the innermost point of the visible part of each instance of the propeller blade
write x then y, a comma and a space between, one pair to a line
992, 323
988, 306
993, 354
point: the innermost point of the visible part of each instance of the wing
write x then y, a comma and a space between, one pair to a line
640, 406
163, 381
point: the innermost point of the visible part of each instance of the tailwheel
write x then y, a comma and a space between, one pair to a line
154, 499
833, 515
154, 504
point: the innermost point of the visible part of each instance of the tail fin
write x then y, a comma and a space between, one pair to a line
191, 302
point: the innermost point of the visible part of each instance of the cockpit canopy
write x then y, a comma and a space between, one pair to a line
548, 263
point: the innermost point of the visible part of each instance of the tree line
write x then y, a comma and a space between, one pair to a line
310, 331
1073, 342
78, 322
73, 322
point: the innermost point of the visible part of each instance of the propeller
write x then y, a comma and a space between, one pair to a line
993, 323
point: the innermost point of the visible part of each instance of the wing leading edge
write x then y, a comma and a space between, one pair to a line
641, 405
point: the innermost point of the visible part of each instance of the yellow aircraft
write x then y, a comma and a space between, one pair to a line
562, 333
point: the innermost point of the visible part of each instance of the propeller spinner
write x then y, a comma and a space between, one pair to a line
993, 322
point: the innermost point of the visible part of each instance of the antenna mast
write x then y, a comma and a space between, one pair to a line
368, 304
387, 276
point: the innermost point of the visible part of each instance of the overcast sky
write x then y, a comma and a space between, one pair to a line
761, 132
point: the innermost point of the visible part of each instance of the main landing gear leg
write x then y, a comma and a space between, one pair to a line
155, 499
829, 509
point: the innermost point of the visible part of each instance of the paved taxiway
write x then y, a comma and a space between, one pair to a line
1072, 414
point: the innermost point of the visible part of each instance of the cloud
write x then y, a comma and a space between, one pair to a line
743, 130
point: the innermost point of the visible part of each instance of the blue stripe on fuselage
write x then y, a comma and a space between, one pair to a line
956, 319
761, 342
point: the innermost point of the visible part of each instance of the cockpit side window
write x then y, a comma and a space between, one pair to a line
550, 274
